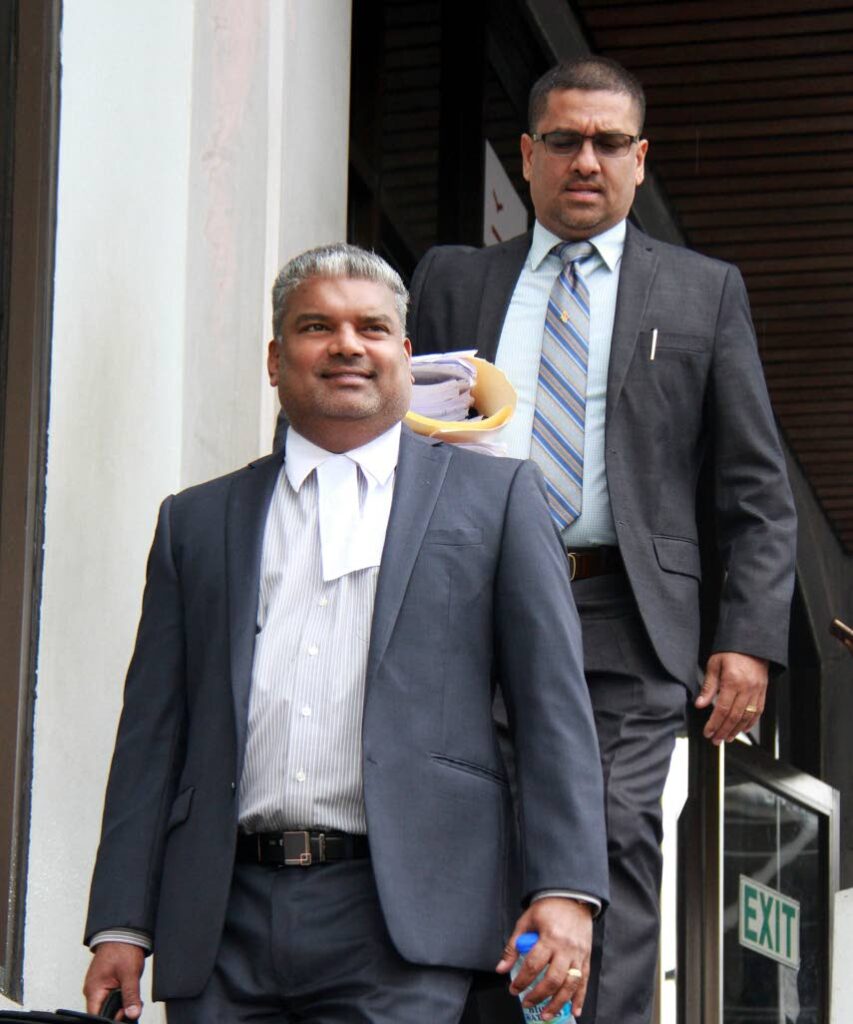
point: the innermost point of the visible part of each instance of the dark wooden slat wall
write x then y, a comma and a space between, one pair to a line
432, 80
750, 124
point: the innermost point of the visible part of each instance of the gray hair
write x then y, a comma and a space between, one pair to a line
335, 261
589, 74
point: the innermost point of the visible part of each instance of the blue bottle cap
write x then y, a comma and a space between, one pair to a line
526, 941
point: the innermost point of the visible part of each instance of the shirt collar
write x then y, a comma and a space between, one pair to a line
608, 245
377, 458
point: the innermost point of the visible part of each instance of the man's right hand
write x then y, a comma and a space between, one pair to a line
115, 965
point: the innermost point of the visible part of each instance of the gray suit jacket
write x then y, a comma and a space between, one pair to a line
472, 591
704, 394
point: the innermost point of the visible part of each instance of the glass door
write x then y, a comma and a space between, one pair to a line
758, 870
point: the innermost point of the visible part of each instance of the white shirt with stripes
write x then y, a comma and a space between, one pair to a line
302, 767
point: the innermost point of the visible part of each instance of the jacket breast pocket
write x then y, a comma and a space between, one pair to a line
664, 396
679, 555
455, 537
671, 342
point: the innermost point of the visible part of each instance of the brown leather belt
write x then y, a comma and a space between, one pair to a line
587, 562
300, 849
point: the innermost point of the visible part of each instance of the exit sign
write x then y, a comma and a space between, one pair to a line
769, 922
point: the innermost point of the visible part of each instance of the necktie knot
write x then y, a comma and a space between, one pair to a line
573, 252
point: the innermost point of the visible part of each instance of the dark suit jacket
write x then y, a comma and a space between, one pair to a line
472, 589
704, 390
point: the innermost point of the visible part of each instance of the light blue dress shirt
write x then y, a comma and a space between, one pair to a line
518, 354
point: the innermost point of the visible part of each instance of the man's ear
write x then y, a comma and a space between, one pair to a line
407, 345
640, 169
526, 155
272, 362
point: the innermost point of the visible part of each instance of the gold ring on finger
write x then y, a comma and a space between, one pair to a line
574, 972
750, 709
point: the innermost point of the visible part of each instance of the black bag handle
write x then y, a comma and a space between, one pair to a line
112, 1005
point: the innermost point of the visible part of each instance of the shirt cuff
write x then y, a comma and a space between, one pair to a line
128, 935
567, 894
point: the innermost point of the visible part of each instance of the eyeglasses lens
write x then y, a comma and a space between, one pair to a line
604, 143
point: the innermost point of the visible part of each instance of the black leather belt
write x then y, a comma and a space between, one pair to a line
300, 849
587, 562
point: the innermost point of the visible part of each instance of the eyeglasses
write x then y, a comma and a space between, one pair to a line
569, 143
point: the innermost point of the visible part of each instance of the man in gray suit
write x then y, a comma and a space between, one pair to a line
636, 365
308, 817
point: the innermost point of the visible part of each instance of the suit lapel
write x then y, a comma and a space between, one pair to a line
503, 266
421, 469
639, 265
248, 502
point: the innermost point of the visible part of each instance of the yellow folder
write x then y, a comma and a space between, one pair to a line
494, 400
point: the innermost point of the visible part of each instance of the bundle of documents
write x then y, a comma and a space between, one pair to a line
443, 382
461, 399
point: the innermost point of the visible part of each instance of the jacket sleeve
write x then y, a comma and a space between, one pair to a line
443, 300
540, 670
755, 514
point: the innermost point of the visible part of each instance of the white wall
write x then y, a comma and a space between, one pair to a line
190, 165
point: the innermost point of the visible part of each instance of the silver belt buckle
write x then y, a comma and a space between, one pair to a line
573, 565
297, 849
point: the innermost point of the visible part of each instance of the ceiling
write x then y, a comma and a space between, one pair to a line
750, 122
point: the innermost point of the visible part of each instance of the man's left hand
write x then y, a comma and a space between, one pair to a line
565, 940
737, 686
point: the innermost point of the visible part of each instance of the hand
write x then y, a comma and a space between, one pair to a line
737, 685
115, 965
565, 940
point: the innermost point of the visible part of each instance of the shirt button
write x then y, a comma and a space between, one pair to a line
299, 776
313, 650
323, 602
306, 712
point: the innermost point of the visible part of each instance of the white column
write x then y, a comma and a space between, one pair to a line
310, 43
227, 223
115, 426
841, 999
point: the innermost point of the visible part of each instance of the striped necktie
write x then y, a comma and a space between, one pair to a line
558, 421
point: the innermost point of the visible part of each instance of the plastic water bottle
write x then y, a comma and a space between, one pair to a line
523, 944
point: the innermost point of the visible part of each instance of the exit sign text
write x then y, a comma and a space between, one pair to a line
769, 922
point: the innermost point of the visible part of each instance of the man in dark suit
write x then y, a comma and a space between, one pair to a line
308, 816
635, 363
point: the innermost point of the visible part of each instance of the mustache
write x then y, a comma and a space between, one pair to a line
347, 364
593, 181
